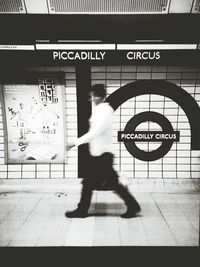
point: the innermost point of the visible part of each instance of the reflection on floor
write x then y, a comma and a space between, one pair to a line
37, 219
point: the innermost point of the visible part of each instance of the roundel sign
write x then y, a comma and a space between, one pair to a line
167, 136
130, 136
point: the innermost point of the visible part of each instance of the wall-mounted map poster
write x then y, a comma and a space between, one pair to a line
35, 121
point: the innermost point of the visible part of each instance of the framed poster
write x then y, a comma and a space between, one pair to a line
34, 116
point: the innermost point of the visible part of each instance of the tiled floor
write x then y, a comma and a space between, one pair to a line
37, 219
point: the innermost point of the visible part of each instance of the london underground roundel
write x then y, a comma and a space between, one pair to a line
167, 136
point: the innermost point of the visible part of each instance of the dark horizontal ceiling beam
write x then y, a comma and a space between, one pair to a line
108, 28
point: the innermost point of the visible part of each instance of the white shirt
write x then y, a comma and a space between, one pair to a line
99, 136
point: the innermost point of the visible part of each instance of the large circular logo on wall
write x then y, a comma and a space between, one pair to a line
167, 136
130, 136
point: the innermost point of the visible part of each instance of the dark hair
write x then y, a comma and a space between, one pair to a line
99, 90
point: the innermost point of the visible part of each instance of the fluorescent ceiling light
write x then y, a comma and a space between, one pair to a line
149, 41
42, 41
79, 41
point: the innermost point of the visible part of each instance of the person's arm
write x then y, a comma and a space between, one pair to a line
98, 127
102, 121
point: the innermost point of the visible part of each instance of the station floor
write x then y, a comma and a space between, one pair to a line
37, 219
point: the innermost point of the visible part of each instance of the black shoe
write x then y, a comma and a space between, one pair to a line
76, 214
131, 211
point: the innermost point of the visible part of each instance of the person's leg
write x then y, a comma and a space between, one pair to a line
133, 206
86, 196
84, 204
88, 186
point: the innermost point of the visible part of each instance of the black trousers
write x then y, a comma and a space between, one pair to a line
102, 176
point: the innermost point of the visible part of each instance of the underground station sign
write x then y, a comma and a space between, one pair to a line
166, 137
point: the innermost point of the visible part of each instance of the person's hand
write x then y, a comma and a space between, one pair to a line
70, 146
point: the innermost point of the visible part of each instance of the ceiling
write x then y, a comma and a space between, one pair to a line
99, 6
110, 21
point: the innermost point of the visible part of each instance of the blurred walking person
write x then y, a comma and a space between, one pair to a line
101, 173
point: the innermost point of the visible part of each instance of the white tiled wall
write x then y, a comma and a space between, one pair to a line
179, 163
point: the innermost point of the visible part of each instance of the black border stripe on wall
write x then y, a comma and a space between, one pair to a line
83, 86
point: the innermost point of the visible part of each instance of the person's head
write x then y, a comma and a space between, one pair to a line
98, 93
